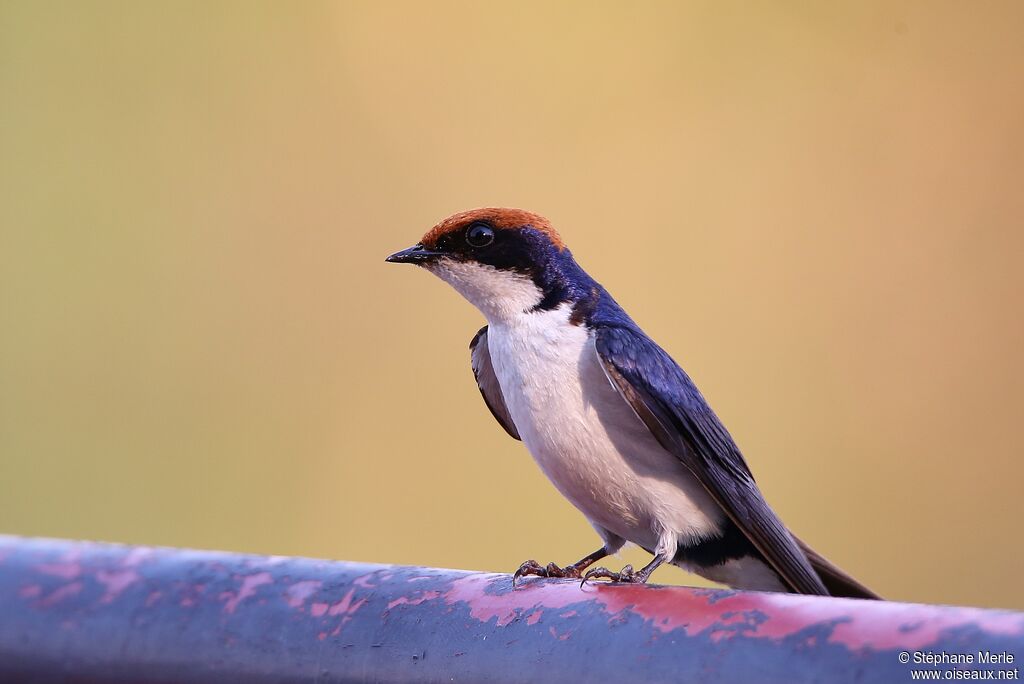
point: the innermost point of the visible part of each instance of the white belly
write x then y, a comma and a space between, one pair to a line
587, 439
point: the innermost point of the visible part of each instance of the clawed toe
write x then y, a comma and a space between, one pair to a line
569, 571
535, 569
530, 567
625, 575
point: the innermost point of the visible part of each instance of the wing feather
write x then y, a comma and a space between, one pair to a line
667, 401
487, 381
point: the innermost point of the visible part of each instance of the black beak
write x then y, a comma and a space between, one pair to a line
417, 254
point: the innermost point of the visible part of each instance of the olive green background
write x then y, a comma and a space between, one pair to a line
815, 207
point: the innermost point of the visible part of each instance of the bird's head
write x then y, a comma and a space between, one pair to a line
506, 262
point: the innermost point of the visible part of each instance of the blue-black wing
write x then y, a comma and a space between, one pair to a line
483, 371
667, 401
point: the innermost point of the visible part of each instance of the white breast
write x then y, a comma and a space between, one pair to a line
587, 439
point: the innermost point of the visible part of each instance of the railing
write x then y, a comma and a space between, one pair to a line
90, 612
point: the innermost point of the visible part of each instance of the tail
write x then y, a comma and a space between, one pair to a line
835, 580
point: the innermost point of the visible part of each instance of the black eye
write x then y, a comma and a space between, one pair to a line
480, 235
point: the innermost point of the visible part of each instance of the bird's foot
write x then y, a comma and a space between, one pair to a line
532, 567
626, 575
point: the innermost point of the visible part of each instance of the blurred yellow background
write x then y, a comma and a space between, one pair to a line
817, 208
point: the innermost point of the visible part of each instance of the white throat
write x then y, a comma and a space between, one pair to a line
501, 296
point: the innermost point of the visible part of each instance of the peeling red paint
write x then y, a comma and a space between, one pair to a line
560, 637
897, 625
137, 556
61, 593
115, 581
95, 597
67, 570
191, 594
889, 626
414, 601
249, 585
365, 580
485, 607
785, 615
30, 591
346, 606
297, 593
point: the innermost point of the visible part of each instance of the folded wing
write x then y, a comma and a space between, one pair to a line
483, 370
667, 401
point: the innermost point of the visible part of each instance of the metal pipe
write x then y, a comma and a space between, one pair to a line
90, 612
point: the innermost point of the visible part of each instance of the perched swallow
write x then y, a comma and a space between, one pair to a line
610, 418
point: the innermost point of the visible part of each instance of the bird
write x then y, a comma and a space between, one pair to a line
609, 417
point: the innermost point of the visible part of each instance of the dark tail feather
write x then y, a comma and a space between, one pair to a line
835, 580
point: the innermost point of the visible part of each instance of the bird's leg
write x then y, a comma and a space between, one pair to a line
627, 574
574, 571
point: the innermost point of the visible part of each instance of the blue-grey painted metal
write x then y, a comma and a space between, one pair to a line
88, 612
